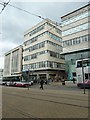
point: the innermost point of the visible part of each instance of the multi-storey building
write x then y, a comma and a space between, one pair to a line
13, 64
76, 37
41, 51
1, 74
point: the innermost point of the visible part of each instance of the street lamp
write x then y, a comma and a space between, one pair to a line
83, 73
28, 79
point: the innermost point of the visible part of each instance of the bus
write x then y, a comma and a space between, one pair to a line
83, 70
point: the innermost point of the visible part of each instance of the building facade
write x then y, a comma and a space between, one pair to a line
1, 74
76, 37
41, 51
13, 64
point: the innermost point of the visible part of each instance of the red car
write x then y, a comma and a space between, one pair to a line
22, 84
86, 83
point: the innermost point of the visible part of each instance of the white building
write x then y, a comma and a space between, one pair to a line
1, 74
41, 51
76, 37
13, 64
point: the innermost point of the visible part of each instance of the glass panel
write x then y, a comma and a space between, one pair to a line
74, 19
75, 29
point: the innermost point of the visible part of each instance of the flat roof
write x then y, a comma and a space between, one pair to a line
38, 24
14, 49
76, 10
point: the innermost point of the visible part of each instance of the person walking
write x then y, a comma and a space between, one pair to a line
41, 83
74, 80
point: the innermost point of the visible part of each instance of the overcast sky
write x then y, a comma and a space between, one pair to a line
13, 22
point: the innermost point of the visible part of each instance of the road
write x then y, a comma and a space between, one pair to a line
52, 102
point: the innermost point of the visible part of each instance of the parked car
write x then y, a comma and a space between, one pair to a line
22, 84
86, 83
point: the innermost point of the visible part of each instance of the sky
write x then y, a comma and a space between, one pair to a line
13, 22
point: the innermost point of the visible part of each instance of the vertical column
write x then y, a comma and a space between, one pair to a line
20, 59
47, 76
10, 63
38, 78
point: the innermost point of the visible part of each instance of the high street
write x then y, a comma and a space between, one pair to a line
55, 101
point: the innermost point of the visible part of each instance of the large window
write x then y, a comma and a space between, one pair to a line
76, 29
84, 62
77, 40
76, 18
55, 37
54, 44
51, 53
44, 64
35, 30
42, 44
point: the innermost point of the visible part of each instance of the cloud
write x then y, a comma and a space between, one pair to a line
1, 62
6, 46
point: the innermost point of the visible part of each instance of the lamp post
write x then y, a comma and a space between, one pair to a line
28, 79
83, 73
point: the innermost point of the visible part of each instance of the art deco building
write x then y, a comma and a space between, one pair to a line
13, 64
76, 37
41, 51
1, 74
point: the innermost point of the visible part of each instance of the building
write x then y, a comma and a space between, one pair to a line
76, 37
13, 64
41, 51
1, 74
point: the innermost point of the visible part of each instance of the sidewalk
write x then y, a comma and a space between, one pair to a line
69, 83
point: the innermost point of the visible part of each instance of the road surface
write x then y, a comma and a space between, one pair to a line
47, 103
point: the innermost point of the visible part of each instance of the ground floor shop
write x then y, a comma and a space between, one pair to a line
36, 76
49, 75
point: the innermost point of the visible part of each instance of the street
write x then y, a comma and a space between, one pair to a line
55, 101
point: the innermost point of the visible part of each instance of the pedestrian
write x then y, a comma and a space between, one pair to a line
74, 80
45, 81
63, 81
41, 83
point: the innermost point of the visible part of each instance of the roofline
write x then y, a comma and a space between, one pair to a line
76, 10
13, 49
38, 24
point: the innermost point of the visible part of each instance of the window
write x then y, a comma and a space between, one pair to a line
75, 41
76, 29
86, 75
74, 74
58, 31
79, 64
75, 18
36, 30
55, 37
88, 63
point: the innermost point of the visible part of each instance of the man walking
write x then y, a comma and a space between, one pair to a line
41, 83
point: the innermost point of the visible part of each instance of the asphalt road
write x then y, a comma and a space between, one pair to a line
55, 101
